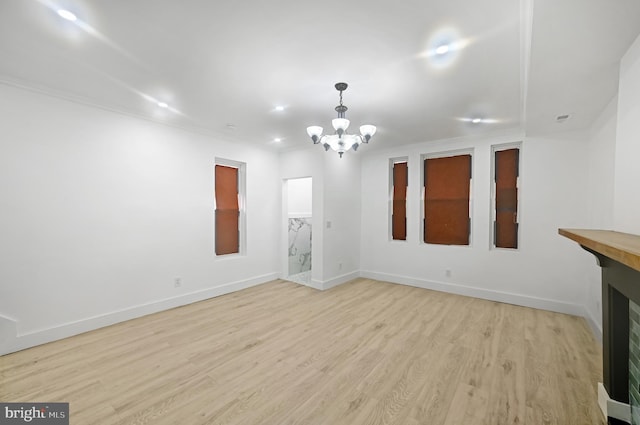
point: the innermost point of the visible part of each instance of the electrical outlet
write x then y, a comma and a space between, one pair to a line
177, 283
340, 266
447, 273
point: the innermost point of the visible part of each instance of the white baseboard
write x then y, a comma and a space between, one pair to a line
603, 396
486, 294
611, 408
315, 284
339, 280
31, 339
8, 330
11, 341
323, 285
596, 328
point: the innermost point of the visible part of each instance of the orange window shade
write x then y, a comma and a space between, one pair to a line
227, 210
446, 206
399, 215
226, 187
506, 224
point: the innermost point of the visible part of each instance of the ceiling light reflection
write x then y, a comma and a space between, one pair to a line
443, 48
79, 20
478, 120
69, 16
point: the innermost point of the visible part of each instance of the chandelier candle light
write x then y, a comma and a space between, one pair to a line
341, 141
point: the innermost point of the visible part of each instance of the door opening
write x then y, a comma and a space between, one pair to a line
299, 230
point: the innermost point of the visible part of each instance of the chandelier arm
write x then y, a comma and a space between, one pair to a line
322, 139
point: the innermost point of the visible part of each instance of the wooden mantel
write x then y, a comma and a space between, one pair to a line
621, 247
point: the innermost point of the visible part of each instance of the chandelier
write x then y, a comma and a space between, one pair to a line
341, 141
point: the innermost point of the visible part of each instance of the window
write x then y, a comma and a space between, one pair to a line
447, 183
399, 179
506, 172
229, 217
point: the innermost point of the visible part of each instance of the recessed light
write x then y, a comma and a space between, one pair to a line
277, 139
279, 108
69, 16
479, 120
441, 50
163, 105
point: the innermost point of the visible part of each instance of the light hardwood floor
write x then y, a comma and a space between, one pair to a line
365, 352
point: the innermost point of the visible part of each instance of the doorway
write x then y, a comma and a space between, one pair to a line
299, 229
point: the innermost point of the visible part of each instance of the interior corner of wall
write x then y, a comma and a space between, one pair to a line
594, 323
8, 333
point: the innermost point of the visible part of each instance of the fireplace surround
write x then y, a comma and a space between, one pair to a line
618, 256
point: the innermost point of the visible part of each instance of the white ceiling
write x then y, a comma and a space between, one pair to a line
229, 63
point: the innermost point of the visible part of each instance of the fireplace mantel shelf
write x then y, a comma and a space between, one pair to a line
621, 247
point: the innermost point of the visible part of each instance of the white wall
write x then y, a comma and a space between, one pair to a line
613, 198
627, 171
101, 213
601, 149
342, 199
538, 274
601, 168
299, 199
613, 195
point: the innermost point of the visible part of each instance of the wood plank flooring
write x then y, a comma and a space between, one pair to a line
366, 352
